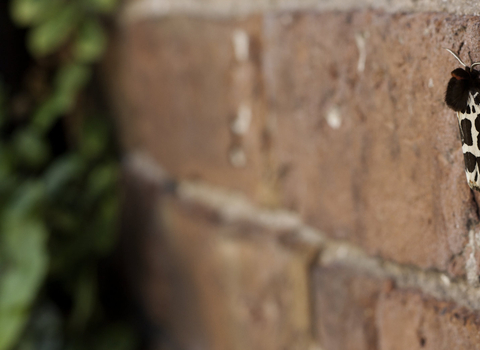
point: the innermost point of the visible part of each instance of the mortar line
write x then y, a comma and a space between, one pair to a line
236, 208
149, 9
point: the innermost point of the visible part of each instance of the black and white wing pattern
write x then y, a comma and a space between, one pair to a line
463, 96
469, 123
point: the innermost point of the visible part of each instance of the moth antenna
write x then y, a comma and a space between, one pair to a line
458, 58
475, 64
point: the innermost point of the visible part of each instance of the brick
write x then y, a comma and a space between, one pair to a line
344, 308
157, 278
178, 86
353, 310
390, 176
367, 153
208, 284
408, 320
252, 291
229, 8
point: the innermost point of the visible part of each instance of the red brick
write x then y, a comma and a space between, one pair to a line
210, 284
158, 279
252, 291
355, 311
391, 177
344, 308
407, 320
177, 86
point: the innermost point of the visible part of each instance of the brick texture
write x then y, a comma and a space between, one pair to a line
177, 87
335, 116
344, 305
357, 311
390, 177
409, 321
364, 151
213, 285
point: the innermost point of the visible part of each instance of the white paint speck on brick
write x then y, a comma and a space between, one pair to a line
361, 41
242, 122
241, 45
334, 120
445, 280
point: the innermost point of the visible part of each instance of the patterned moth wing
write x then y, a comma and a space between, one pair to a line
463, 96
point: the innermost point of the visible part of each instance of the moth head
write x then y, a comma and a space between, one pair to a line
467, 68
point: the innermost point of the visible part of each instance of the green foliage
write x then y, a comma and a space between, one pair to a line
48, 35
58, 210
90, 42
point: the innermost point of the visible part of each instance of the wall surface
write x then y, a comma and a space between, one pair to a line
293, 178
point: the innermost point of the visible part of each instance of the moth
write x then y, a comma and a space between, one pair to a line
463, 96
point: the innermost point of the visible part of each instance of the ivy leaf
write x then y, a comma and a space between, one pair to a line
30, 147
68, 82
61, 173
95, 138
24, 266
49, 35
91, 42
31, 12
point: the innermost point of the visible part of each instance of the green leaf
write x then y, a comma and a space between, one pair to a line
31, 148
11, 326
71, 78
61, 172
48, 112
27, 199
30, 12
68, 82
24, 256
48, 36
95, 138
104, 177
91, 42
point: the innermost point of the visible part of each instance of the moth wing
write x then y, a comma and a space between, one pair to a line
469, 124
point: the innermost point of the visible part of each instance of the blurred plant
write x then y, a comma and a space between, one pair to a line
58, 209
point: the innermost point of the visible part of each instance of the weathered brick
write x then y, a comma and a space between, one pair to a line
355, 311
365, 152
156, 275
252, 291
408, 320
178, 86
371, 152
344, 307
208, 284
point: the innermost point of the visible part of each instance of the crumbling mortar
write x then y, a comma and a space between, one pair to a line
234, 208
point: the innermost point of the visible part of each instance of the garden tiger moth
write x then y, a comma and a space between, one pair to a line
463, 96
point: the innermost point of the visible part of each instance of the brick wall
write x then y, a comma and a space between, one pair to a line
293, 178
